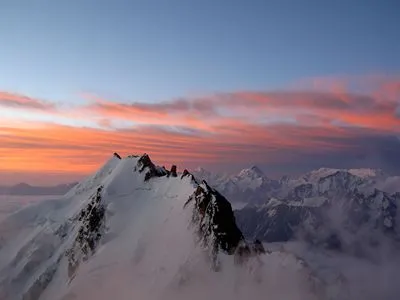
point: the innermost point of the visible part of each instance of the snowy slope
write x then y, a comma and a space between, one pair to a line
133, 230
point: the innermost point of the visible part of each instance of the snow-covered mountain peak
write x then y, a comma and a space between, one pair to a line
315, 175
129, 217
252, 172
256, 169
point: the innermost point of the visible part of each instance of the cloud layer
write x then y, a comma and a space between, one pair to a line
291, 130
19, 101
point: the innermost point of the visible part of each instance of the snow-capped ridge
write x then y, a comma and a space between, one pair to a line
364, 173
252, 172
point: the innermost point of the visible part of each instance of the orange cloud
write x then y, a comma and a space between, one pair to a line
237, 127
358, 110
58, 148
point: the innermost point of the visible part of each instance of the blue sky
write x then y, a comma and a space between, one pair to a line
213, 83
158, 50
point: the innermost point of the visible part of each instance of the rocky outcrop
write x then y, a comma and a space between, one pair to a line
215, 221
185, 173
117, 155
173, 171
91, 229
146, 165
216, 227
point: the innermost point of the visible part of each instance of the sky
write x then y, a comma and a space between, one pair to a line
287, 85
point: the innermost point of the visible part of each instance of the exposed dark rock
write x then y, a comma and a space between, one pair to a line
117, 155
145, 163
185, 173
164, 171
168, 172
213, 216
216, 228
173, 171
91, 229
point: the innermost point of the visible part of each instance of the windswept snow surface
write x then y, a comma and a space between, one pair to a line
144, 247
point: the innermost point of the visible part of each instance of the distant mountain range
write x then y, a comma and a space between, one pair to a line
345, 209
252, 186
22, 189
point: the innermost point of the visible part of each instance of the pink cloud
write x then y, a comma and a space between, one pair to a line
20, 101
267, 127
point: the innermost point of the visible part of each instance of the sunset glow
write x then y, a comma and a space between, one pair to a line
269, 127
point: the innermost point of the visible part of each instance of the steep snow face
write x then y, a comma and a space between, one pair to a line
131, 231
